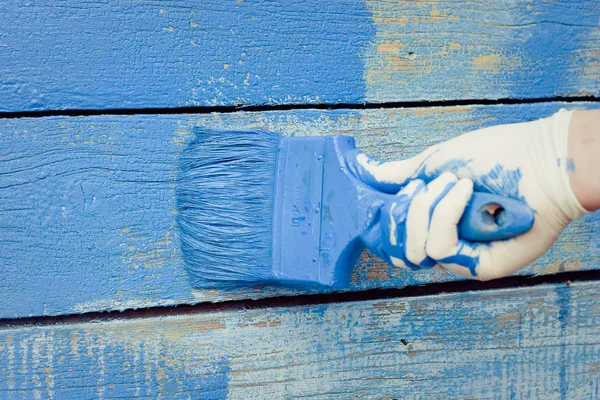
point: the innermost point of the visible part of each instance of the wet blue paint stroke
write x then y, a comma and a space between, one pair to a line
113, 54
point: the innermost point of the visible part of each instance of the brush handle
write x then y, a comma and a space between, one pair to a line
486, 218
491, 217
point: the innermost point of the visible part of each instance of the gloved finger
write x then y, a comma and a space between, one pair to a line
419, 215
443, 244
393, 224
388, 177
483, 261
500, 258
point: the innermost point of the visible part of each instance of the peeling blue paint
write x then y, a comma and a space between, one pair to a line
564, 301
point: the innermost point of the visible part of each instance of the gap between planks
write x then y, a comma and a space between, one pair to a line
303, 300
291, 107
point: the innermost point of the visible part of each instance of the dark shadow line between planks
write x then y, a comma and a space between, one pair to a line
432, 289
291, 107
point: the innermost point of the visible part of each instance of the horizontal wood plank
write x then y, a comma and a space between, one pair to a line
115, 54
87, 211
531, 343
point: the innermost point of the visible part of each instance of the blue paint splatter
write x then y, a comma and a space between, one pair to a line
571, 166
437, 200
499, 180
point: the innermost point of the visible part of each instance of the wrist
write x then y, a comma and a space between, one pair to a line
584, 148
559, 165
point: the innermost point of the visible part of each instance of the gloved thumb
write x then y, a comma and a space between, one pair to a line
388, 177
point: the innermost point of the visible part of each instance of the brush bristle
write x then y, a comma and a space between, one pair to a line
225, 192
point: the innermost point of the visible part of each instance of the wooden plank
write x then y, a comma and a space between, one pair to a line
120, 54
539, 342
87, 212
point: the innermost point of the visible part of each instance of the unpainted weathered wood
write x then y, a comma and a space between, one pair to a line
529, 343
87, 210
120, 54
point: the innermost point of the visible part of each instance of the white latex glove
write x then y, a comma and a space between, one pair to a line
525, 161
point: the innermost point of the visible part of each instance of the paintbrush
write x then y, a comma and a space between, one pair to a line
258, 208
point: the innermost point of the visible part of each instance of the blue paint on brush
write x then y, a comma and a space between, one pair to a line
256, 208
225, 203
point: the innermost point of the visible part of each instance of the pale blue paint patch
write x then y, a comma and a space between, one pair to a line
115, 54
213, 385
104, 365
564, 303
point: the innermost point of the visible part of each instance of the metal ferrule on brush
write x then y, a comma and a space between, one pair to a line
316, 226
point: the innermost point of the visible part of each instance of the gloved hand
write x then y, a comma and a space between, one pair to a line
526, 161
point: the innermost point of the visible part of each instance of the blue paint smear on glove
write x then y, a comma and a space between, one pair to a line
498, 180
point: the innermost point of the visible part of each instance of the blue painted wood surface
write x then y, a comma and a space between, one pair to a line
526, 343
87, 205
121, 54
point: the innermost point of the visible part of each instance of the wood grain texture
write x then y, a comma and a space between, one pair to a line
87, 212
530, 343
100, 54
